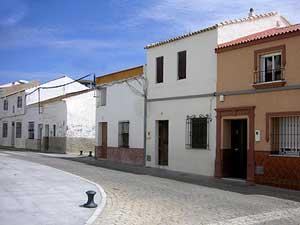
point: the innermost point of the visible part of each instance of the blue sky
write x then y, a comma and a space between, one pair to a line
44, 39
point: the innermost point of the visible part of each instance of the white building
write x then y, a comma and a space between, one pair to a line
58, 116
181, 74
120, 116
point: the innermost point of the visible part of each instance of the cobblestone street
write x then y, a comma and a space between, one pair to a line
143, 199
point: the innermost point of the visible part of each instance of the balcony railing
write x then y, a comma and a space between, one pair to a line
269, 75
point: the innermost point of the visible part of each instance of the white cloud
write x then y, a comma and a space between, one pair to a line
192, 14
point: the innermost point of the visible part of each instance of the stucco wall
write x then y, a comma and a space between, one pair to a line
199, 161
122, 105
235, 73
81, 111
238, 65
201, 67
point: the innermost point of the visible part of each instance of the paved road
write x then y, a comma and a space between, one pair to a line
142, 199
33, 194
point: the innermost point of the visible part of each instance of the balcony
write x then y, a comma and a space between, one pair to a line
269, 78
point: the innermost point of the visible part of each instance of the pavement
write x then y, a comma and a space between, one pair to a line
34, 194
144, 198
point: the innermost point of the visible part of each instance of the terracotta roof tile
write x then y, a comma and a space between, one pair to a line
260, 35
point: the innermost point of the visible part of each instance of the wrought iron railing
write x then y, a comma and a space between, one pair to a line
263, 76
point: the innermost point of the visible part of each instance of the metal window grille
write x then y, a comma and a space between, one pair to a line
124, 134
31, 130
286, 135
19, 102
18, 130
4, 130
197, 132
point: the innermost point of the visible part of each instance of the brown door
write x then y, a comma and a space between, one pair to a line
163, 142
104, 140
239, 148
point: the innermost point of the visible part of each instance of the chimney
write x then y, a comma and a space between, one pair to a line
251, 12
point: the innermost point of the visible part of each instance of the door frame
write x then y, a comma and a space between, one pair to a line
103, 148
157, 144
235, 112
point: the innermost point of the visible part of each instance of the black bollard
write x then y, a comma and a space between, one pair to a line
81, 152
90, 154
90, 203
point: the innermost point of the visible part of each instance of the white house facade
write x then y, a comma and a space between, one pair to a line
58, 116
181, 101
120, 116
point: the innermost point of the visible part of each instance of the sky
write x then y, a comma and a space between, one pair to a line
42, 40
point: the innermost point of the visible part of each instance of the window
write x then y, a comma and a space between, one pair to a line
54, 130
270, 67
181, 65
160, 69
197, 130
19, 102
31, 130
4, 130
5, 105
18, 130
285, 135
103, 97
124, 134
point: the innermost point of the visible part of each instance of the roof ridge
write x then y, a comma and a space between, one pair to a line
239, 20
212, 27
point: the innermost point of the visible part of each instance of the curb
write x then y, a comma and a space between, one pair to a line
102, 204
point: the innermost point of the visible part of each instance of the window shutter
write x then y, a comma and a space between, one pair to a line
182, 65
160, 69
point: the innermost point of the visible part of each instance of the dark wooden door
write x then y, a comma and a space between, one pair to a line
239, 148
163, 142
104, 140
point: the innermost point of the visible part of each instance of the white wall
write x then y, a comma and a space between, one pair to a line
81, 115
236, 30
201, 67
122, 105
199, 161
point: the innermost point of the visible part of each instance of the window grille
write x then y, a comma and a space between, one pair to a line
285, 135
197, 132
124, 134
